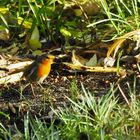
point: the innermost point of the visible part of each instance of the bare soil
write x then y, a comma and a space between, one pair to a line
16, 100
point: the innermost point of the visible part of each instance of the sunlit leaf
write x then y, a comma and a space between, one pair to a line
4, 20
37, 52
35, 34
76, 33
3, 10
65, 32
34, 44
25, 23
78, 12
34, 40
22, 34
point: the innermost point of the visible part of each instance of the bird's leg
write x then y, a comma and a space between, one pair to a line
32, 90
42, 88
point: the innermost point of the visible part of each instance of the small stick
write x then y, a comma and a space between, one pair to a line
32, 89
123, 95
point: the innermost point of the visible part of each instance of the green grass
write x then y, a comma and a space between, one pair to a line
101, 118
88, 116
114, 19
122, 17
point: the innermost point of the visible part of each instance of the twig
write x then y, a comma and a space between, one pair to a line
125, 98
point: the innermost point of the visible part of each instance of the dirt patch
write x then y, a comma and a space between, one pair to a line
16, 100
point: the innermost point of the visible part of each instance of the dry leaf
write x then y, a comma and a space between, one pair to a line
109, 61
11, 78
93, 69
115, 47
78, 60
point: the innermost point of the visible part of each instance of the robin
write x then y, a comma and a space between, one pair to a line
39, 69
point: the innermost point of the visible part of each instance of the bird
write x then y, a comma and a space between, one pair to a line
39, 69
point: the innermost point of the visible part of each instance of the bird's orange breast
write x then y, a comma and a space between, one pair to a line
44, 68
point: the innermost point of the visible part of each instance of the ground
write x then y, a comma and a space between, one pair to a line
17, 99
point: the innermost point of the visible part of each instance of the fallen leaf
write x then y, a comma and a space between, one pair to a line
11, 78
94, 69
109, 61
92, 61
118, 43
78, 60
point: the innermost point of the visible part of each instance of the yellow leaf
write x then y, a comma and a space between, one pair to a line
25, 23
119, 42
94, 69
3, 10
77, 60
65, 32
78, 12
